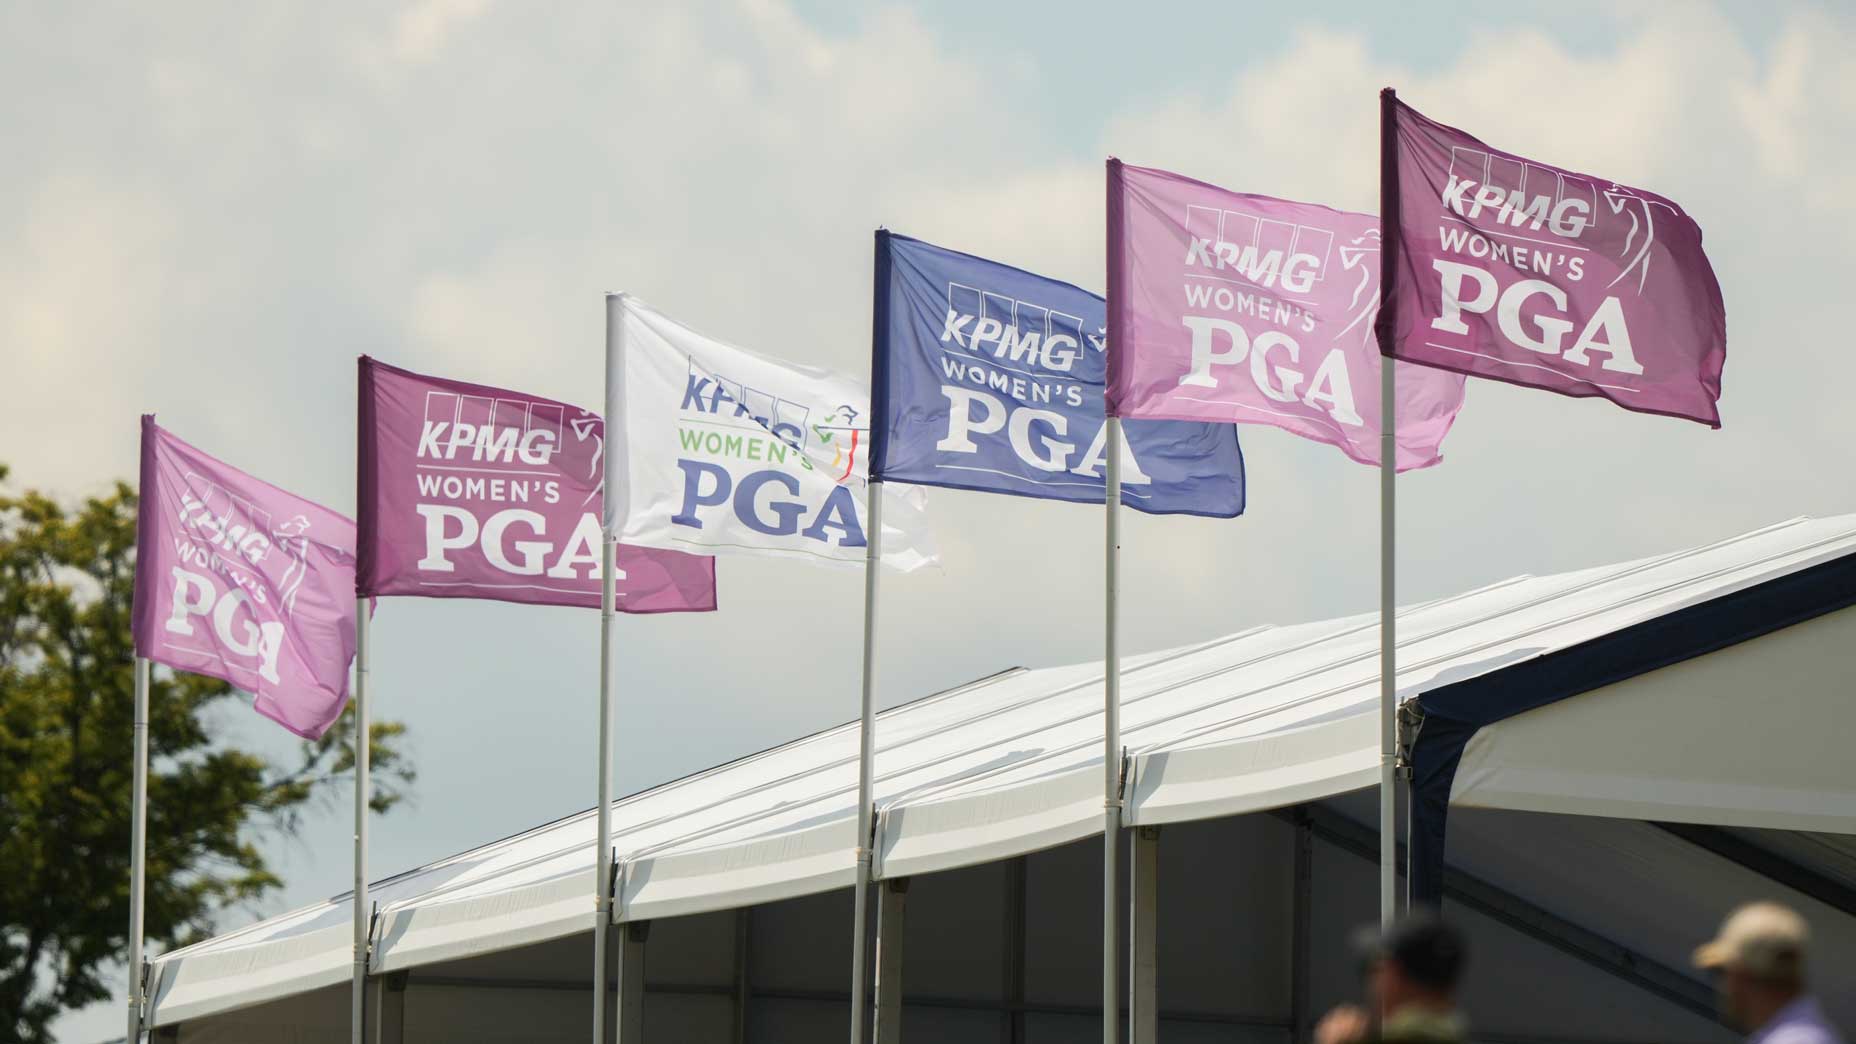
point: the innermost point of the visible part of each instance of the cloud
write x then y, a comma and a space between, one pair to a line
424, 26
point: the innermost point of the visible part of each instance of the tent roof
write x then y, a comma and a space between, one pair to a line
1006, 765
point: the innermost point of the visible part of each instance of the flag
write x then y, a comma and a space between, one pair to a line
1224, 306
241, 581
990, 378
719, 449
468, 491
1520, 271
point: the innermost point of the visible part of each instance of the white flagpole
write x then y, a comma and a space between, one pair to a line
362, 741
866, 764
1388, 524
1111, 741
138, 852
608, 585
1388, 653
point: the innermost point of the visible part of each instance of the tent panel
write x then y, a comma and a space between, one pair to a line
1514, 984
954, 939
803, 945
315, 1017
1063, 926
1226, 917
798, 1020
782, 866
409, 936
1755, 734
692, 951
226, 980
1250, 775
991, 824
1642, 887
687, 1016
440, 1013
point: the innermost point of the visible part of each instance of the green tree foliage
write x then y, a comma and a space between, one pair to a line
67, 578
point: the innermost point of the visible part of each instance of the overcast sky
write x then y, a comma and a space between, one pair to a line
209, 212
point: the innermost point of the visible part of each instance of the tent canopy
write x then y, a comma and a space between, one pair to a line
1011, 764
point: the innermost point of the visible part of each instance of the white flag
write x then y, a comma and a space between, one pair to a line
717, 449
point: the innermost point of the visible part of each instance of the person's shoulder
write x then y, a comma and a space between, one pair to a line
1812, 1032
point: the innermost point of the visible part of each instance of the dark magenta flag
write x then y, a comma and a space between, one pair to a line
1510, 268
468, 491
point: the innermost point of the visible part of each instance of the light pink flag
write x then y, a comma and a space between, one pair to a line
1224, 306
1520, 271
468, 491
241, 581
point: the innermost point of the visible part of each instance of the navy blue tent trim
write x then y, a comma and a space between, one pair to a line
1454, 712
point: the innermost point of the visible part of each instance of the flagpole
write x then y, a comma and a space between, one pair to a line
1111, 740
866, 764
608, 586
362, 741
1388, 517
138, 852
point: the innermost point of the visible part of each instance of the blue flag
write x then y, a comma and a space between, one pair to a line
987, 377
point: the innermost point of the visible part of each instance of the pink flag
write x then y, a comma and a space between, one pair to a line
1231, 307
239, 580
1518, 270
475, 492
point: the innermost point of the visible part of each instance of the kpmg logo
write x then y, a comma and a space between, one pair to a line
708, 393
1016, 331
1285, 255
1520, 194
490, 431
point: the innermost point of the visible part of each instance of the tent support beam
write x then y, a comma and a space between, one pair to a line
1012, 1025
1301, 1016
892, 907
1620, 962
386, 1009
1144, 937
744, 983
1770, 865
627, 952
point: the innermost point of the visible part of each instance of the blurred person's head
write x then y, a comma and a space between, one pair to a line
1757, 960
1414, 964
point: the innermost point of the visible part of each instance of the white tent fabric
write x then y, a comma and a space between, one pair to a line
1011, 764
1646, 748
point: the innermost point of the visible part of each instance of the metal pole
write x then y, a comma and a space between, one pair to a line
866, 766
608, 585
1388, 523
362, 740
138, 852
1111, 739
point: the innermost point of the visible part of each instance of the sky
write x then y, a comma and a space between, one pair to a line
209, 211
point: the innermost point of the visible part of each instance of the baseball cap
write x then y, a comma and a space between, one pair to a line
1428, 951
1763, 939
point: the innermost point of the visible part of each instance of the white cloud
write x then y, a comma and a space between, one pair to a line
424, 26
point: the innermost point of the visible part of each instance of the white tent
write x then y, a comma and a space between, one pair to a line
1739, 738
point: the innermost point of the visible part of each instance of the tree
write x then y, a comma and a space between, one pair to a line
67, 580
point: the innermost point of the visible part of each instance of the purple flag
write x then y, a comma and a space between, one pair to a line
468, 491
1518, 270
239, 580
1231, 307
